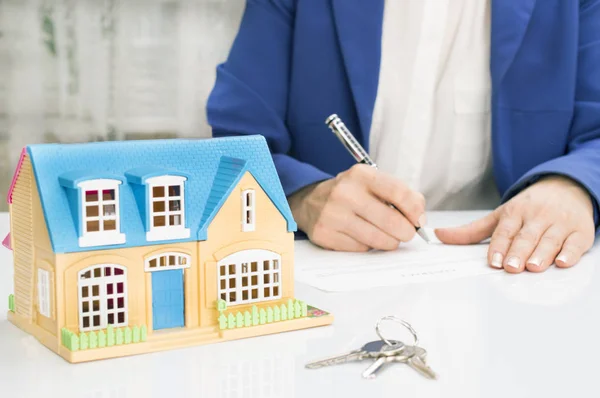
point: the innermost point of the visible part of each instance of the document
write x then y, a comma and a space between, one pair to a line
413, 262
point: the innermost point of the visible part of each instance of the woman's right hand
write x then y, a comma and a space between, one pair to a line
349, 212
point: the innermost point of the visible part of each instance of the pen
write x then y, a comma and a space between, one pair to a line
357, 151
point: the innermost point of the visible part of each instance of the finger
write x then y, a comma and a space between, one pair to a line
390, 190
506, 230
574, 247
547, 249
368, 234
352, 196
523, 245
384, 217
474, 232
322, 235
342, 242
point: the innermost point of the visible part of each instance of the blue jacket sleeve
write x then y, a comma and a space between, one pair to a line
582, 160
250, 95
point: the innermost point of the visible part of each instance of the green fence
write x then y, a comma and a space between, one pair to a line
11, 302
109, 337
294, 309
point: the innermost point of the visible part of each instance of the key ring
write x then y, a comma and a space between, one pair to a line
400, 321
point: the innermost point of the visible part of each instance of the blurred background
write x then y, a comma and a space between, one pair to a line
96, 70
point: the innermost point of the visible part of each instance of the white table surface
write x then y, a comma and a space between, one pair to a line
499, 335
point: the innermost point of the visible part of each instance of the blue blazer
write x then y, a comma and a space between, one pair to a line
295, 62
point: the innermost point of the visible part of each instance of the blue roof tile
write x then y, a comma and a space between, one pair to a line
229, 172
212, 167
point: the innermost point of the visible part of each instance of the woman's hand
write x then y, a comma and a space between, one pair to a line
549, 222
349, 212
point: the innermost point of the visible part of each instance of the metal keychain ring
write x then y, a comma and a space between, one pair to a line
400, 321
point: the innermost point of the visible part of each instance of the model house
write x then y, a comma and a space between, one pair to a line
130, 247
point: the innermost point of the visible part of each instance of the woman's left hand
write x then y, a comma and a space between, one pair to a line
550, 222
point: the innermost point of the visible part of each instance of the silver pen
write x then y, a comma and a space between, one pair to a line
357, 151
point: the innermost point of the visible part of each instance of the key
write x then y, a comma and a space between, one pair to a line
414, 357
393, 356
369, 350
417, 362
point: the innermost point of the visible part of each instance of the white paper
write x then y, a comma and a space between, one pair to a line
412, 262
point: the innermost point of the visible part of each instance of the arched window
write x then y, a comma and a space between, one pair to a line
102, 297
249, 276
167, 261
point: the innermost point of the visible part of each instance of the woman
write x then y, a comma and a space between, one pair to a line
444, 94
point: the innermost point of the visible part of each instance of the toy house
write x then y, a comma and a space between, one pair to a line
125, 248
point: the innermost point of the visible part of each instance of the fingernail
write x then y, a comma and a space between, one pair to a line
422, 220
497, 260
535, 261
513, 262
563, 258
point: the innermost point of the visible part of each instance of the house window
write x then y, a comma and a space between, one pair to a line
248, 210
44, 292
249, 276
168, 261
100, 208
166, 208
102, 297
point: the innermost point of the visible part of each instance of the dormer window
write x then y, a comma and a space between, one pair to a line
166, 208
100, 218
248, 210
100, 210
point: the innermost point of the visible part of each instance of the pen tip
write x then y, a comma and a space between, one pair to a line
423, 235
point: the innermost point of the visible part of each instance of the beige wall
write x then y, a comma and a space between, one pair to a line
31, 249
139, 282
44, 259
225, 237
22, 241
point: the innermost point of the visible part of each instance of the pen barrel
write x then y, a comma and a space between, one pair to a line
345, 136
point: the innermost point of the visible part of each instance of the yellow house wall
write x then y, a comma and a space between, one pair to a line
225, 237
31, 249
21, 227
139, 282
44, 259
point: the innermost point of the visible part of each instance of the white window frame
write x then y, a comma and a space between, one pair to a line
248, 225
100, 237
227, 284
167, 232
168, 261
103, 297
44, 292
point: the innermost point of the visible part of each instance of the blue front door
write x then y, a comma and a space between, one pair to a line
167, 299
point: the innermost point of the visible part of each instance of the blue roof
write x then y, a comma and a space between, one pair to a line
212, 168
